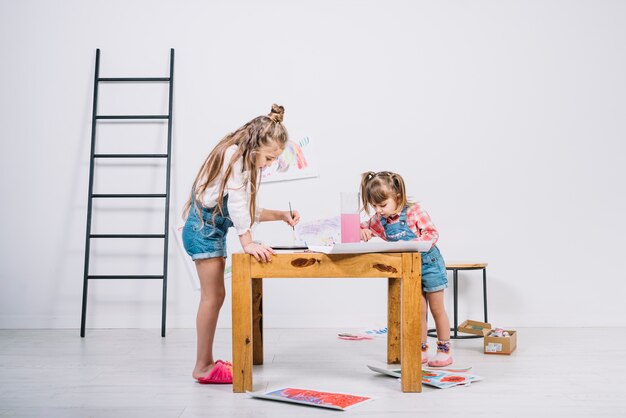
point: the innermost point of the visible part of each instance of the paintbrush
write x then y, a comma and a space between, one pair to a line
295, 238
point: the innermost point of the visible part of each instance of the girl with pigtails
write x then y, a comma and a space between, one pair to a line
395, 219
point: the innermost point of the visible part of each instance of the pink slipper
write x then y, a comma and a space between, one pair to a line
221, 373
443, 357
440, 362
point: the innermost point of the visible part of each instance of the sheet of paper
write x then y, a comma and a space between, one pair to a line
374, 247
439, 378
331, 400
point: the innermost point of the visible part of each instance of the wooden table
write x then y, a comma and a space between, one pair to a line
402, 270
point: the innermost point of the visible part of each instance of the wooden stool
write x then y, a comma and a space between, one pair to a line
455, 267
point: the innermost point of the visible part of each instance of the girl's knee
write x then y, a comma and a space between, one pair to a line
214, 296
437, 308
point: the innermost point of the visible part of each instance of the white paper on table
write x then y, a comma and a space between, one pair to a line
374, 247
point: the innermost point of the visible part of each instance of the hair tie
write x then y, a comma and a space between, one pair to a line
274, 117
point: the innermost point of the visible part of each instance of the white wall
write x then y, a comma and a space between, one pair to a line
507, 120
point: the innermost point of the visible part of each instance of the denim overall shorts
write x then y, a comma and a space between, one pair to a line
206, 237
434, 275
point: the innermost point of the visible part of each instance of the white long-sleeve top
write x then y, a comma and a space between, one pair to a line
238, 190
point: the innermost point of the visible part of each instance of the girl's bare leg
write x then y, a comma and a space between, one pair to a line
212, 293
438, 309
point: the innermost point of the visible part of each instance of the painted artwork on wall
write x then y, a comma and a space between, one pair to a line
293, 164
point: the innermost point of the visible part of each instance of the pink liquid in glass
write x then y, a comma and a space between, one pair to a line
350, 229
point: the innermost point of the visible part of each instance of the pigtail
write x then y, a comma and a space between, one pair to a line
365, 198
400, 188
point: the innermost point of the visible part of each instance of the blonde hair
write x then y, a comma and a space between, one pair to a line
378, 187
259, 132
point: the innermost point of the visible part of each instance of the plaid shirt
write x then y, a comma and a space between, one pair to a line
417, 218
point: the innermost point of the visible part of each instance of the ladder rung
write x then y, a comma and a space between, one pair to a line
132, 117
127, 236
130, 156
128, 276
128, 196
115, 79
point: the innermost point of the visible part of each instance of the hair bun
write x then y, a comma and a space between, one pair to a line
277, 113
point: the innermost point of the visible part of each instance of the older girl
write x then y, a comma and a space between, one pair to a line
223, 195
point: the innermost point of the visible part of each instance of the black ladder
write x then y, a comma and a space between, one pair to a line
89, 236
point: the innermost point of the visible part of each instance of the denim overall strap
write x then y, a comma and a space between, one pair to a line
398, 231
199, 204
204, 233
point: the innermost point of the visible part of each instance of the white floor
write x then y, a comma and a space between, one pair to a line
575, 372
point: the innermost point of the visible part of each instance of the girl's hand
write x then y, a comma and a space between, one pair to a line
260, 252
291, 220
366, 235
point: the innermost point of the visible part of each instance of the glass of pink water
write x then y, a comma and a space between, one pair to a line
350, 229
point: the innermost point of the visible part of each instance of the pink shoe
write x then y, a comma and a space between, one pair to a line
443, 357
424, 353
442, 362
221, 373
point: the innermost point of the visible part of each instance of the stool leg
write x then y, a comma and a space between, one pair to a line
485, 292
456, 301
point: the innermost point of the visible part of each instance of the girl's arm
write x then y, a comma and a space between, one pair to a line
260, 252
421, 224
239, 210
374, 225
279, 215
238, 194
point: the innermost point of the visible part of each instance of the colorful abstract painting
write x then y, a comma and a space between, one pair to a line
320, 231
332, 400
441, 378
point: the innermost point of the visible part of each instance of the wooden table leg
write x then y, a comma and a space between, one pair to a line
257, 321
393, 321
242, 323
411, 355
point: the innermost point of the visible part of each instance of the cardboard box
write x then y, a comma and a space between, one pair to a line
501, 345
475, 327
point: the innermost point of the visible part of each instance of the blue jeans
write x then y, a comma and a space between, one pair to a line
434, 276
206, 237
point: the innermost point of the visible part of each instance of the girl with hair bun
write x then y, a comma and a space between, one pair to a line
224, 194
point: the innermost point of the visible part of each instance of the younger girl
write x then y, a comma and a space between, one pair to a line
224, 195
398, 219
